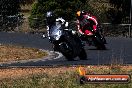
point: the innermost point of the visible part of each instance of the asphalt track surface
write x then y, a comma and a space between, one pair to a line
119, 51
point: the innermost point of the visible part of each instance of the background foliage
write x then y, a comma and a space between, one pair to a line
119, 10
113, 11
62, 8
9, 7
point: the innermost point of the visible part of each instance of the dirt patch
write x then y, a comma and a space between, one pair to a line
16, 53
14, 73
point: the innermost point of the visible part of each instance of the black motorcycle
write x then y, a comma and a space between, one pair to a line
65, 41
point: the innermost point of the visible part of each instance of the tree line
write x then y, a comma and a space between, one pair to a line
119, 9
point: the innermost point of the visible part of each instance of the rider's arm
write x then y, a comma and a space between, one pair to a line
79, 27
93, 19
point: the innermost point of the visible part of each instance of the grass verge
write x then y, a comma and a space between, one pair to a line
16, 53
57, 77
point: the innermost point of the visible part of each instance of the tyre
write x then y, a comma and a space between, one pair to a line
72, 44
67, 51
83, 54
99, 43
104, 40
69, 48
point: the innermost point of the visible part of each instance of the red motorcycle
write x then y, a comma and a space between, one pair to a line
91, 32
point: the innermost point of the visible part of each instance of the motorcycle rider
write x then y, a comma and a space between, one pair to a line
84, 18
50, 19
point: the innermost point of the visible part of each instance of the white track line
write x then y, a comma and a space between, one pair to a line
59, 55
51, 56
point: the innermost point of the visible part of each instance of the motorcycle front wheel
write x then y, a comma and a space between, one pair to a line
67, 51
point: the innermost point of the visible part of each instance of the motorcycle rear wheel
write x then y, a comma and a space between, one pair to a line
99, 43
83, 55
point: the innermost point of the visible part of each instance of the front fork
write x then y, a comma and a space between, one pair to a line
55, 46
